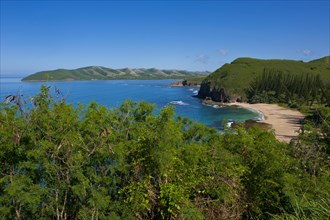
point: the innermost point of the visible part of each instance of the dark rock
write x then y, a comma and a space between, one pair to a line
239, 99
216, 94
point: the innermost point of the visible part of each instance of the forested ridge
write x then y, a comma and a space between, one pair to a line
92, 162
275, 86
232, 81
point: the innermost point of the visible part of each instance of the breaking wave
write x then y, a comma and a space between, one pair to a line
216, 106
178, 103
229, 123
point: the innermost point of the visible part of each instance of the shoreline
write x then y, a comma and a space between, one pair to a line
285, 122
256, 110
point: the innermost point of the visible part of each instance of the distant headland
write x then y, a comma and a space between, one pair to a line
103, 73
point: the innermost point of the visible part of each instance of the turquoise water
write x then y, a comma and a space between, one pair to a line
112, 93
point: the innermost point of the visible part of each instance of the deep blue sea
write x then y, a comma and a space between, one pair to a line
112, 93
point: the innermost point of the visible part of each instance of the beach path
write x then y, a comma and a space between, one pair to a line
285, 122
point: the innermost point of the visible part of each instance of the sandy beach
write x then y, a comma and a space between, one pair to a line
285, 122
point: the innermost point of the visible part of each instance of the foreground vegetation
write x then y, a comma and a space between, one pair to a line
92, 162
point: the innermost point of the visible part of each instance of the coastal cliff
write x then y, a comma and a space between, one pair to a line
215, 94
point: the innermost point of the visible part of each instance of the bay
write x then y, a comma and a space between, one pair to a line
112, 93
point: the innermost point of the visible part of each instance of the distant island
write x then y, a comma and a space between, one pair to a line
103, 73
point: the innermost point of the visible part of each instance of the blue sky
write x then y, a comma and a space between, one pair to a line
191, 35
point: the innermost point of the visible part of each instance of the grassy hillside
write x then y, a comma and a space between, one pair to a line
103, 73
237, 76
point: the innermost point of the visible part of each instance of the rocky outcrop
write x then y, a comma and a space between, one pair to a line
174, 84
215, 94
185, 83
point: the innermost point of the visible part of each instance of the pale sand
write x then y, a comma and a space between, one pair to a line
285, 122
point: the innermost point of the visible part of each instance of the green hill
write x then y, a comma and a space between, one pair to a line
103, 73
232, 80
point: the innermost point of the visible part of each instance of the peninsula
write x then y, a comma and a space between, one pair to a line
262, 84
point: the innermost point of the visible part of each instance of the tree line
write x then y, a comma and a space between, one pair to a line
274, 86
92, 162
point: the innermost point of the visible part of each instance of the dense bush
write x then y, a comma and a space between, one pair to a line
91, 162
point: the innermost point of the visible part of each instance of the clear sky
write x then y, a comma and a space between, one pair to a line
191, 35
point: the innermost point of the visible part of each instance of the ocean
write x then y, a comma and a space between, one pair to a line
112, 93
